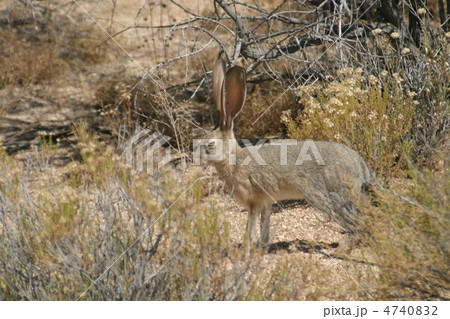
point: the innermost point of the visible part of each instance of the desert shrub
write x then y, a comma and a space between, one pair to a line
372, 118
263, 107
41, 45
98, 231
432, 117
424, 71
27, 62
409, 242
125, 102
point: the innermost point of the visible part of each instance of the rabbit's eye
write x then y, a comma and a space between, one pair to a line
211, 144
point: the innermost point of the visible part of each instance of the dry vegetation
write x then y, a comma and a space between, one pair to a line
95, 229
373, 120
157, 238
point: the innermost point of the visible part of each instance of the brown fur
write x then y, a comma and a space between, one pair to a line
331, 177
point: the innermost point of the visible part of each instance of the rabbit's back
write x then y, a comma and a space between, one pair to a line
271, 162
331, 176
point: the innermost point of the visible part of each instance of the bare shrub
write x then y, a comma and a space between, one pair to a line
282, 45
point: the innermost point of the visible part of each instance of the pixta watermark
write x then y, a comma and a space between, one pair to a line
144, 151
227, 150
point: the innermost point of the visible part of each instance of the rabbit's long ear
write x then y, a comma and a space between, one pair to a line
218, 77
234, 92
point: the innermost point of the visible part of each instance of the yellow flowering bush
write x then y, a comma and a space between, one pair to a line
370, 115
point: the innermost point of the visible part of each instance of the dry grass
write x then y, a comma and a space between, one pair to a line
27, 63
64, 228
42, 45
411, 241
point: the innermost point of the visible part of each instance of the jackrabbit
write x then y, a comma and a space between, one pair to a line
330, 176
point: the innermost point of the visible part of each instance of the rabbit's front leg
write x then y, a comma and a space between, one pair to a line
265, 225
251, 225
